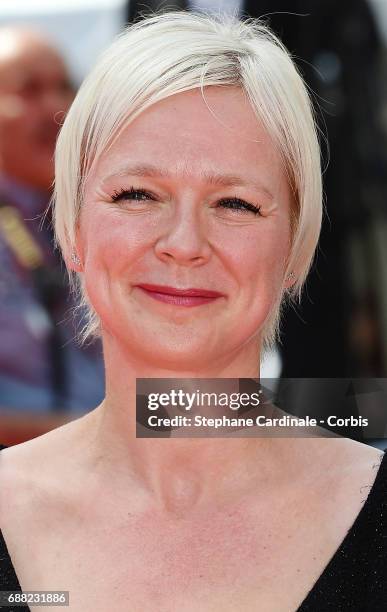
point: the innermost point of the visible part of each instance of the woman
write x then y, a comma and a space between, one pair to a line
189, 159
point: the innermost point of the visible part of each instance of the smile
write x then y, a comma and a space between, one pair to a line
176, 297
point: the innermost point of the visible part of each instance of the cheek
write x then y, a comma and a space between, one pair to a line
258, 256
107, 250
112, 241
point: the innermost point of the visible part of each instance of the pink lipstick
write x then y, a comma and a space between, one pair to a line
180, 297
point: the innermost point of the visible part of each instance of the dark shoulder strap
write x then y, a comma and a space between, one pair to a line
378, 493
356, 575
8, 579
377, 540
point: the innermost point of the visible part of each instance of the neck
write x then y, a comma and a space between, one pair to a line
176, 473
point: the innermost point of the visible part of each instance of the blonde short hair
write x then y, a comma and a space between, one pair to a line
168, 53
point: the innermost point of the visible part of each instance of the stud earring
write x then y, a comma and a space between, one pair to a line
290, 276
75, 259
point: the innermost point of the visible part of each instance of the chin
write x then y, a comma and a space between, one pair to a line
174, 353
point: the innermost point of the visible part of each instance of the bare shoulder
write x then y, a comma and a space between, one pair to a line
352, 456
362, 455
353, 468
341, 471
34, 471
38, 454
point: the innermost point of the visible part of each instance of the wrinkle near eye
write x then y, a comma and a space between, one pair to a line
269, 208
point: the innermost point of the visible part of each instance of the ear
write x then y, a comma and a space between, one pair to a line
73, 257
290, 279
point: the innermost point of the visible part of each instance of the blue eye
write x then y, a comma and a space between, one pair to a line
142, 195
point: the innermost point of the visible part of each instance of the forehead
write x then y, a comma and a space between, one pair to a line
185, 134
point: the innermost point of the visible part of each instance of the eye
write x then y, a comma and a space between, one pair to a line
143, 195
240, 205
131, 194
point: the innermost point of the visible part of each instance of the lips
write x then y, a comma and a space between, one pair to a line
179, 297
192, 292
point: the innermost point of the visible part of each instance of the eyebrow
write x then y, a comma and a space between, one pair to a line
222, 180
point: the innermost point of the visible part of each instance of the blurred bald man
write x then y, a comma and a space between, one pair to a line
41, 366
35, 92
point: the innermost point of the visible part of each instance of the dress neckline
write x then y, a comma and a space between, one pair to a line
375, 490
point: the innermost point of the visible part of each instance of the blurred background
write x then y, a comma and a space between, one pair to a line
339, 330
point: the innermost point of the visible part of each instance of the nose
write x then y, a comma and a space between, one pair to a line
184, 239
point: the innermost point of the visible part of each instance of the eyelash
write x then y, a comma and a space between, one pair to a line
239, 204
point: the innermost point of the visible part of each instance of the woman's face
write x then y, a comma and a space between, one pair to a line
187, 198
